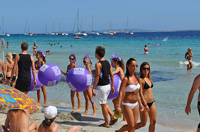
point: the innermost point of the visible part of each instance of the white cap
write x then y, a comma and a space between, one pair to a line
50, 112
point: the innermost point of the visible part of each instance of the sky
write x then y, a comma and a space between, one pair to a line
142, 14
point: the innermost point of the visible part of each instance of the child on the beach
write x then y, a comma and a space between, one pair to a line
41, 61
118, 64
88, 93
72, 64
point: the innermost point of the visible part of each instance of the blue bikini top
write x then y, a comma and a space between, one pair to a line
131, 88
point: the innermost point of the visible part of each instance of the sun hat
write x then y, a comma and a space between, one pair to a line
50, 112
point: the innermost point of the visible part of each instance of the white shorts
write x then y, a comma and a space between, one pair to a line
103, 92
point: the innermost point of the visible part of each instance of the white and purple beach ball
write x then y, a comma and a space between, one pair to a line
79, 79
32, 88
117, 84
49, 74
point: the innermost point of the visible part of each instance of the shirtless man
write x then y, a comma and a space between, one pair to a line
34, 48
17, 121
195, 86
188, 56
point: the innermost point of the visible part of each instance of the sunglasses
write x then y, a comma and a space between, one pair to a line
84, 61
134, 65
145, 68
71, 58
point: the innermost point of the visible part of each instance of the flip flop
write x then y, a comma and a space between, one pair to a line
103, 125
112, 122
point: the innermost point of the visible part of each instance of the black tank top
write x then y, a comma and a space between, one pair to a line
24, 66
104, 77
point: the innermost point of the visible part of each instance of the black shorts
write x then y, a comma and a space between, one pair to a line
198, 106
23, 84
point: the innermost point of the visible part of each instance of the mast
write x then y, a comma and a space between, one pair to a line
92, 25
78, 21
127, 24
53, 27
60, 27
2, 25
110, 26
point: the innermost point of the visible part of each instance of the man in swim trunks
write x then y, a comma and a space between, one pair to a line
195, 86
18, 121
24, 62
188, 57
34, 48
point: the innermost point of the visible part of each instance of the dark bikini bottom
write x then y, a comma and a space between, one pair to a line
198, 106
13, 79
150, 104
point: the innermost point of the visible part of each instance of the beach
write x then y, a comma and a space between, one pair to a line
172, 82
86, 124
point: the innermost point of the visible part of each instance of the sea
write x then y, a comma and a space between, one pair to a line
172, 81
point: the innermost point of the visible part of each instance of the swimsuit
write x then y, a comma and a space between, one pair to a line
38, 66
13, 79
198, 106
131, 88
146, 86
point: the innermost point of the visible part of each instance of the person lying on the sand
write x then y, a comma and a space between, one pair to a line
17, 121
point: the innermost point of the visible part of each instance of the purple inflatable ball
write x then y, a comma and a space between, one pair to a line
49, 74
32, 88
117, 83
79, 79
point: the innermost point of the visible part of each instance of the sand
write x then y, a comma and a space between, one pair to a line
86, 123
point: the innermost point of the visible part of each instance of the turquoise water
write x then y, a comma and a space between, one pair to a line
172, 82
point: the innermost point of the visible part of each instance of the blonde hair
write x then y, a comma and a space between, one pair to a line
9, 57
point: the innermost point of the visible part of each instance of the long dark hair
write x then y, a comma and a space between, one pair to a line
141, 68
119, 62
47, 122
127, 71
43, 58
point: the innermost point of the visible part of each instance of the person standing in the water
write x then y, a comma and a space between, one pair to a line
188, 57
146, 49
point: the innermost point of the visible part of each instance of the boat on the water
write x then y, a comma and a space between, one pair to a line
77, 37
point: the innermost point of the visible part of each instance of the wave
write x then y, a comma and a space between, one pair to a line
165, 39
186, 62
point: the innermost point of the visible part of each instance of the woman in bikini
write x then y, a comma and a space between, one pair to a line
148, 101
130, 86
118, 64
188, 57
41, 61
72, 64
8, 66
88, 93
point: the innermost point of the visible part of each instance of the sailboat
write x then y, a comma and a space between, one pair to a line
2, 28
77, 23
93, 32
62, 33
127, 26
112, 32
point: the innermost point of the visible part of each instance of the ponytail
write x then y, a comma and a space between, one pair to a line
47, 122
120, 62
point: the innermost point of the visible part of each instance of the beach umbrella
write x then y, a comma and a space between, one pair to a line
14, 99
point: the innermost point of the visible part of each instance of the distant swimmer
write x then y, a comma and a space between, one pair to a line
195, 86
146, 49
47, 52
188, 57
60, 46
8, 45
104, 45
149, 44
58, 43
71, 45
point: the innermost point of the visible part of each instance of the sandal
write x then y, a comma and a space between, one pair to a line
112, 122
103, 125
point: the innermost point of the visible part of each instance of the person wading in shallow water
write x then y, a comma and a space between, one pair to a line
188, 57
